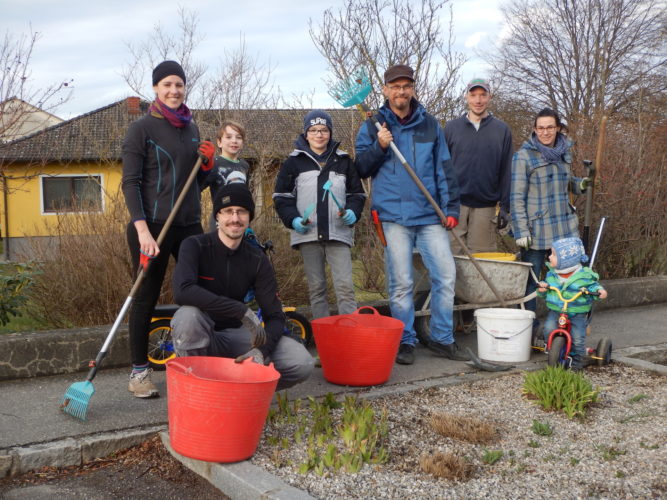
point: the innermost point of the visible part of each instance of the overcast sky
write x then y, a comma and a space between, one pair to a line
86, 40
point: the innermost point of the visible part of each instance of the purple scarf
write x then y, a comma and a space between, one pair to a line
179, 118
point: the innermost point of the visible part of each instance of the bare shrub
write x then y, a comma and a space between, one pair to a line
86, 271
469, 429
446, 466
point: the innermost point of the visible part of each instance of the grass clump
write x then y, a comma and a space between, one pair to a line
555, 388
541, 428
446, 466
469, 429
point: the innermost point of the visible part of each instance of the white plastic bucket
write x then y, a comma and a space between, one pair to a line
504, 334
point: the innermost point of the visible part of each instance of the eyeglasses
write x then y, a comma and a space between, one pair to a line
231, 212
398, 88
318, 131
541, 130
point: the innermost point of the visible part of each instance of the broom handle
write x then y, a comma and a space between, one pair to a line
94, 365
435, 206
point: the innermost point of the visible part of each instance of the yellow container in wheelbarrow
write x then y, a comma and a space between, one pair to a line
495, 256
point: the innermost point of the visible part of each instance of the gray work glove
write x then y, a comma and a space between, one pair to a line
254, 326
524, 242
254, 353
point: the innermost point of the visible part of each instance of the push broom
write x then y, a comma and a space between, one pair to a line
76, 398
353, 92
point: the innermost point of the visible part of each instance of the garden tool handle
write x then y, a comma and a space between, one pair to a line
435, 206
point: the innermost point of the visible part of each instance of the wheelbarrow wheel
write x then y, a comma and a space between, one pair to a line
557, 351
603, 352
160, 344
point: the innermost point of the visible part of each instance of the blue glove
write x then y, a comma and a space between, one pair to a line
299, 227
349, 218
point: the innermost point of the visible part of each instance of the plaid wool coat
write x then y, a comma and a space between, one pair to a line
539, 201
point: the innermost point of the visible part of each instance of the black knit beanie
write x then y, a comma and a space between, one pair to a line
167, 68
235, 194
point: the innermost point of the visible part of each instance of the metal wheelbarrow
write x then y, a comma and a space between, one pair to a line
470, 291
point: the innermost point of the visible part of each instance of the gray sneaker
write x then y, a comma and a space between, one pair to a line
141, 385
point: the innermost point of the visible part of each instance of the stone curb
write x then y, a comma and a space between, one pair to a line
34, 354
71, 451
628, 357
241, 480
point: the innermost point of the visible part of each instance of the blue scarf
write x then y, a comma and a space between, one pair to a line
555, 153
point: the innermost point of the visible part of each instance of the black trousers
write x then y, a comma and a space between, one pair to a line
148, 294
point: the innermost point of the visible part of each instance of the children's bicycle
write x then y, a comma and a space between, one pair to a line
160, 343
559, 343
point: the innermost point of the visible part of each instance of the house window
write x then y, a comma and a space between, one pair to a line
72, 193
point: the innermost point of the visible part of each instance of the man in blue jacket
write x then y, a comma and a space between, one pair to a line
408, 220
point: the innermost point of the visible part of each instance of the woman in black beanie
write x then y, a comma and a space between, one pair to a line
159, 152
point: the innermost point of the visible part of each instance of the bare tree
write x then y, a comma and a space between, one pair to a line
22, 106
376, 34
161, 45
583, 57
240, 82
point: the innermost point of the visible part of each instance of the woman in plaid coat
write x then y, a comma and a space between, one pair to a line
539, 200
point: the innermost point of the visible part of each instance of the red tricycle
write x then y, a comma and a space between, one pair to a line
559, 342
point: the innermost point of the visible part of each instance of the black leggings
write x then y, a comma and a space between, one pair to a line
148, 294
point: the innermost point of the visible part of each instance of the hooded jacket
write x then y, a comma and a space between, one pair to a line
299, 185
583, 278
395, 195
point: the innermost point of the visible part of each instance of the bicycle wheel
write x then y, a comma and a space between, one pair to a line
298, 327
160, 344
557, 351
603, 351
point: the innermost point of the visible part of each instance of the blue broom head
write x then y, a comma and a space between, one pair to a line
352, 91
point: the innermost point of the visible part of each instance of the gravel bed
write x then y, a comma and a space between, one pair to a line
618, 451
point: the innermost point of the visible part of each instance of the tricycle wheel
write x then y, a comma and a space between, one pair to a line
557, 351
298, 327
160, 344
603, 352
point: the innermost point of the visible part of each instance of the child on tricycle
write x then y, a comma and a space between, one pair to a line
570, 289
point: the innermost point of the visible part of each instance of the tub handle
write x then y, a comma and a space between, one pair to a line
375, 311
186, 370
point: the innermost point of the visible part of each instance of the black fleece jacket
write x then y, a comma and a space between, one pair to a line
215, 279
157, 160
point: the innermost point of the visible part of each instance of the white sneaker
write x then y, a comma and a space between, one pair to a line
141, 384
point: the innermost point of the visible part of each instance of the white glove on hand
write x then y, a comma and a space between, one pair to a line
254, 326
254, 353
524, 242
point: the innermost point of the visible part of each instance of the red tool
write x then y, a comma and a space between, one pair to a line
378, 227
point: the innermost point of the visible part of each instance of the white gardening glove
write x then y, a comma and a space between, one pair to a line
254, 326
524, 242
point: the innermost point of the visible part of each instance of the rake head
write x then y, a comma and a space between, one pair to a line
352, 91
76, 399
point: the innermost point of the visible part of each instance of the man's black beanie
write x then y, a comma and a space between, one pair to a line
235, 194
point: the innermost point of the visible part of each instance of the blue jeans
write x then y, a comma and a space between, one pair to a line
432, 242
577, 332
536, 258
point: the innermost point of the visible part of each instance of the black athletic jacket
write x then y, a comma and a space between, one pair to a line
215, 279
157, 160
